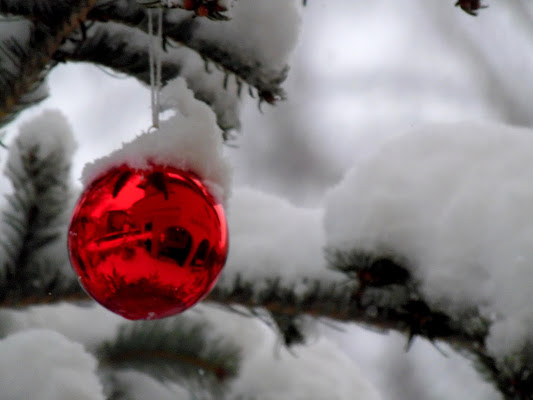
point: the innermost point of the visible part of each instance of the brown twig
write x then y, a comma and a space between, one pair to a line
45, 41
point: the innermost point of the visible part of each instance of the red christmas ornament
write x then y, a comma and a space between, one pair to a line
148, 244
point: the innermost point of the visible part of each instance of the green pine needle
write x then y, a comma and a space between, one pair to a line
177, 349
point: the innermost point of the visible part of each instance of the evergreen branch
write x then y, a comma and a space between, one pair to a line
340, 302
177, 348
32, 254
382, 294
289, 327
369, 298
15, 96
74, 294
378, 273
125, 50
510, 376
180, 27
343, 302
49, 13
32, 61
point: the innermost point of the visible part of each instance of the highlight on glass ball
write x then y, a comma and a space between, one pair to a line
147, 244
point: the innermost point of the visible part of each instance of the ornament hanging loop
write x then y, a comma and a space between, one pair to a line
154, 51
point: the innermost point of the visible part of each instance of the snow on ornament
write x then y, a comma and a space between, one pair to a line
148, 236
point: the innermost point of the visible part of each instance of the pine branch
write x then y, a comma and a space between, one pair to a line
54, 23
343, 302
178, 348
46, 12
382, 294
375, 304
180, 27
125, 50
32, 254
14, 97
73, 293
466, 331
31, 62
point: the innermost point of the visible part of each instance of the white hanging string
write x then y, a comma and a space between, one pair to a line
154, 53
159, 58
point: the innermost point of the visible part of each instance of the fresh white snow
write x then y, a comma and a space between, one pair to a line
189, 140
49, 133
457, 202
70, 320
270, 237
269, 371
266, 31
45, 365
318, 370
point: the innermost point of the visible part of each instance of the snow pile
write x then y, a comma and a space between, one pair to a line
38, 165
457, 202
42, 364
318, 370
265, 30
283, 374
49, 134
270, 237
87, 325
188, 140
143, 387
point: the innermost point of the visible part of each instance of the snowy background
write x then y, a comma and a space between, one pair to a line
363, 73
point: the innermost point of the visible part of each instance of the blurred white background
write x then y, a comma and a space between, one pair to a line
364, 71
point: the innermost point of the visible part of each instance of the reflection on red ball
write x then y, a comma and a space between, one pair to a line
148, 244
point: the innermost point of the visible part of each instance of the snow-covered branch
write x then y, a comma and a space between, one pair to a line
252, 48
125, 49
34, 260
253, 45
178, 349
412, 240
27, 60
348, 303
451, 203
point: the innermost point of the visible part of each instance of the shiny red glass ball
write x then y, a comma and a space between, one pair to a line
147, 244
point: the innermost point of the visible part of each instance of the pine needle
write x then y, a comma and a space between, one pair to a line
177, 349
